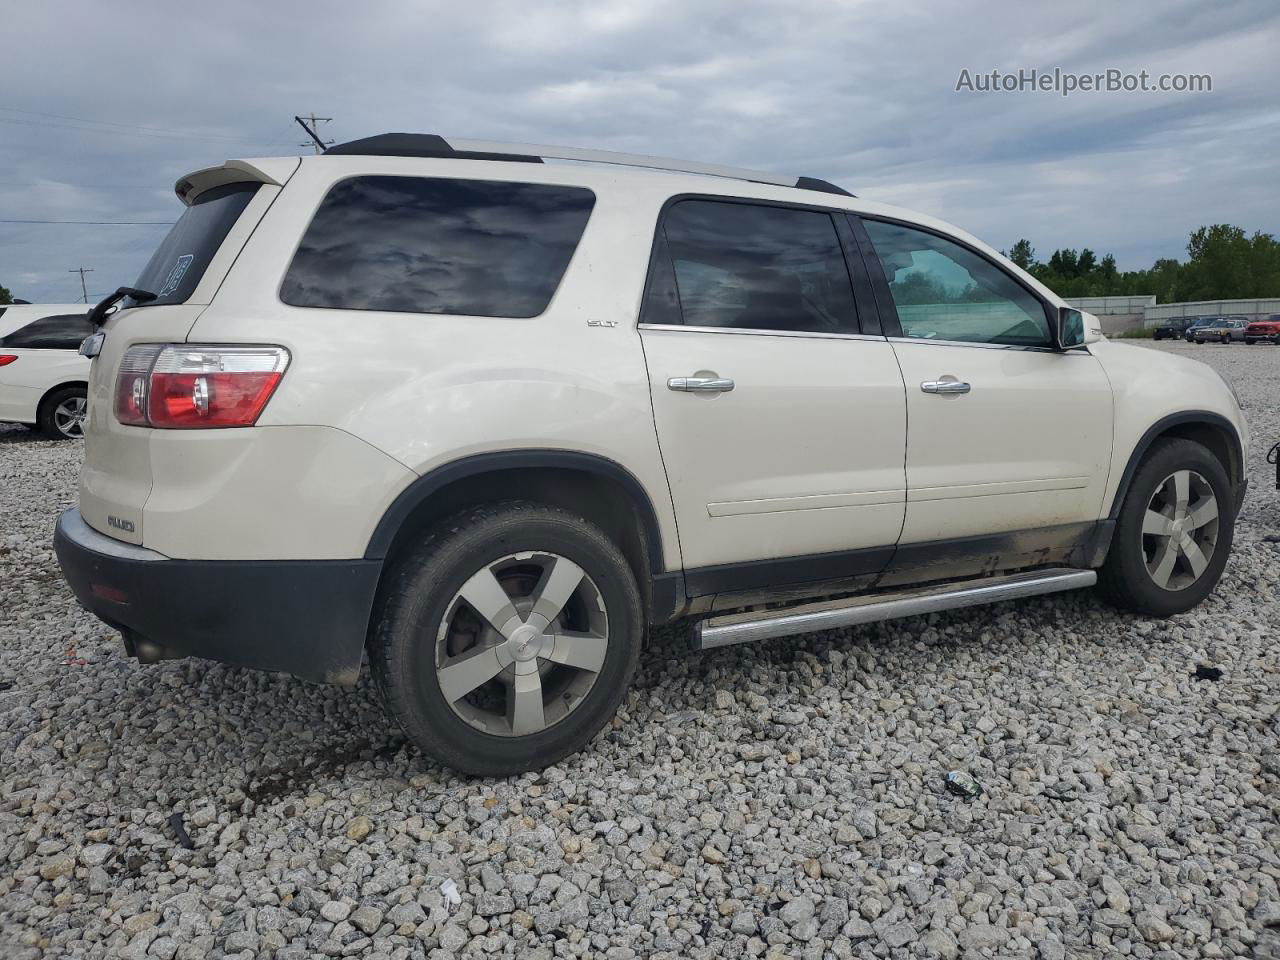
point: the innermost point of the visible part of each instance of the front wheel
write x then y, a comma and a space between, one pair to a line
506, 640
1174, 532
1249, 341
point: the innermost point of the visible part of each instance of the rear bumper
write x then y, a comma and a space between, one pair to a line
308, 618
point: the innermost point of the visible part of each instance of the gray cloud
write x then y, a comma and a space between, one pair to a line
860, 93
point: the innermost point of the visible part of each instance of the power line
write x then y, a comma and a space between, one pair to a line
175, 135
169, 131
82, 271
316, 143
99, 223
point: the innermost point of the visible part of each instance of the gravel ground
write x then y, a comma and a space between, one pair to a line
783, 799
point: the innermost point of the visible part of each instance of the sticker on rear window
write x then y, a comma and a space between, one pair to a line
175, 275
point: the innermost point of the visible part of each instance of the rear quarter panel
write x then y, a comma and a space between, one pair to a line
428, 389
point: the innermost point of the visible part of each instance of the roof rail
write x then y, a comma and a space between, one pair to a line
434, 145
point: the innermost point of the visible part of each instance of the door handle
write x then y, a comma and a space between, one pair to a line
945, 386
700, 384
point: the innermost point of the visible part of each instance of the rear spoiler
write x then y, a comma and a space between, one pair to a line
270, 170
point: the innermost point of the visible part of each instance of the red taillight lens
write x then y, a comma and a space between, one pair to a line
183, 387
7, 358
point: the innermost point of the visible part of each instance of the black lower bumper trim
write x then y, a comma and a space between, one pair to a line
307, 617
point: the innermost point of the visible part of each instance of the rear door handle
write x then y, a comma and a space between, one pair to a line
700, 384
945, 386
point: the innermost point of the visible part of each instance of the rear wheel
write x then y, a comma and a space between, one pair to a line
507, 639
1249, 341
1174, 532
62, 414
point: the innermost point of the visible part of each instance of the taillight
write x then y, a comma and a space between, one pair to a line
7, 358
183, 386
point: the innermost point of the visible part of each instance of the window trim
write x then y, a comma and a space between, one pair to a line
889, 310
332, 184
842, 238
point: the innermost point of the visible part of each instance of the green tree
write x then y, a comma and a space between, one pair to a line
5, 295
1023, 254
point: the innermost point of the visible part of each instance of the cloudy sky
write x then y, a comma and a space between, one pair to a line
103, 106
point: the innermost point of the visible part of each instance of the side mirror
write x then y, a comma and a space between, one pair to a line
1075, 328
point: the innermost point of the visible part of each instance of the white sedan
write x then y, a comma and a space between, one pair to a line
43, 378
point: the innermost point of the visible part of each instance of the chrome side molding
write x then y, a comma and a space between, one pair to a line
831, 614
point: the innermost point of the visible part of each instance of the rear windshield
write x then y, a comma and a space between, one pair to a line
62, 331
176, 267
432, 245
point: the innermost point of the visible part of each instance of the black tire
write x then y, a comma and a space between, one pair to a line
421, 591
50, 419
1124, 579
1249, 341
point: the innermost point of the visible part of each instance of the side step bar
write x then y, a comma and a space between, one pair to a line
831, 614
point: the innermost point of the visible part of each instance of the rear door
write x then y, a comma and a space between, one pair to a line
1010, 440
780, 419
185, 272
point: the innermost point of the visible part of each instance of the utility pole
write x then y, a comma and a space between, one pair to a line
315, 143
83, 289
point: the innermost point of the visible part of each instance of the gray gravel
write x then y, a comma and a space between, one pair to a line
778, 800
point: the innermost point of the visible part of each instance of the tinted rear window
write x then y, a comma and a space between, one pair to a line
753, 267
63, 331
433, 245
176, 267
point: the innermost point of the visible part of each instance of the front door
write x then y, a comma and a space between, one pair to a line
782, 427
1010, 439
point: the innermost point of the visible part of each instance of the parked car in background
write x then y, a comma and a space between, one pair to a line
1173, 328
1268, 329
43, 378
1188, 334
481, 421
1221, 330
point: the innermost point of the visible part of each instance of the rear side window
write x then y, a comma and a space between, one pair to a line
750, 267
63, 331
434, 245
175, 269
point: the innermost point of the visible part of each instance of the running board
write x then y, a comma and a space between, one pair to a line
832, 614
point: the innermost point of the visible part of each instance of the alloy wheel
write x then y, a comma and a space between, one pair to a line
522, 643
1180, 530
69, 415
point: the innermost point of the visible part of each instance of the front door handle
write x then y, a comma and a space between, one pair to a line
700, 384
945, 386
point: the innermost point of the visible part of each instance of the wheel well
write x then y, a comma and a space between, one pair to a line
1218, 442
599, 498
1211, 431
62, 386
54, 389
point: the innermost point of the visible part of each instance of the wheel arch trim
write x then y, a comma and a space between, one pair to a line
422, 489
1163, 426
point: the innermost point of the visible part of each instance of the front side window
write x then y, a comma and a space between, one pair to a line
175, 269
433, 245
944, 291
750, 267
63, 331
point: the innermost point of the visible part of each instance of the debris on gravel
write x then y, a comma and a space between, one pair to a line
777, 800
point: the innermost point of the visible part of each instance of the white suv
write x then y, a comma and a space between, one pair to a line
483, 416
43, 377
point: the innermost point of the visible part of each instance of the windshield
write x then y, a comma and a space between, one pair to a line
176, 267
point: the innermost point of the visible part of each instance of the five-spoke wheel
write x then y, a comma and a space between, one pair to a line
506, 639
1174, 531
1180, 530
522, 643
